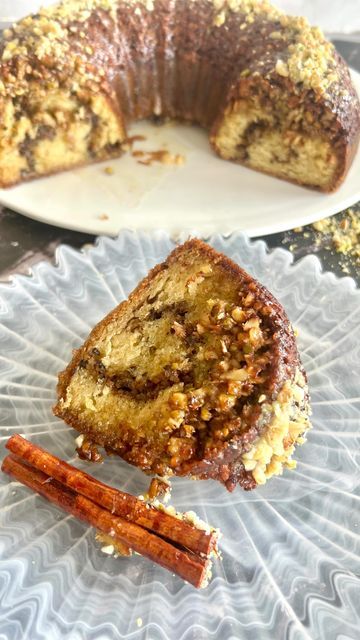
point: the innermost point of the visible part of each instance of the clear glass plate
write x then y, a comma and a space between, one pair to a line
291, 549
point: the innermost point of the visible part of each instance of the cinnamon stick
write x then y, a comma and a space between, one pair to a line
184, 563
116, 501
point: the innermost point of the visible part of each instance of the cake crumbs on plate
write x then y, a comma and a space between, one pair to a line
103, 216
159, 488
340, 234
344, 233
162, 155
109, 171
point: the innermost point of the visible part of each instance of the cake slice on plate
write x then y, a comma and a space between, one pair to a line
196, 374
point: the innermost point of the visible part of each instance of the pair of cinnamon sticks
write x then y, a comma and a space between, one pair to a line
175, 544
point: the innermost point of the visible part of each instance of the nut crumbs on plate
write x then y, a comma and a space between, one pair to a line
339, 234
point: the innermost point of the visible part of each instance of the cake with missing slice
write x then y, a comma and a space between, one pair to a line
196, 374
271, 91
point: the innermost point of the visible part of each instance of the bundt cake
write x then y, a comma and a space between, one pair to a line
196, 374
273, 93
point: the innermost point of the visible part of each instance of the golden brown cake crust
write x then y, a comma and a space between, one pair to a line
179, 59
224, 462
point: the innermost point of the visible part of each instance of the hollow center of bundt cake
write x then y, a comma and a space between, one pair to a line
185, 374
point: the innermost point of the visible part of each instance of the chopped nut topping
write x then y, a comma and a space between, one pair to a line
309, 57
272, 452
282, 69
179, 400
238, 314
226, 401
219, 19
340, 235
205, 414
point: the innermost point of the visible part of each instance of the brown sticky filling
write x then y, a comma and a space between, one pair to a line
214, 390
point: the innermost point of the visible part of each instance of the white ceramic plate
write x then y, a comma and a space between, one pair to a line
291, 549
206, 193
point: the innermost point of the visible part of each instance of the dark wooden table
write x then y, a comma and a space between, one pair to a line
24, 242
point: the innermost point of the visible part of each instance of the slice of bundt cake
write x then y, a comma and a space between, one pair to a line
196, 374
273, 93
